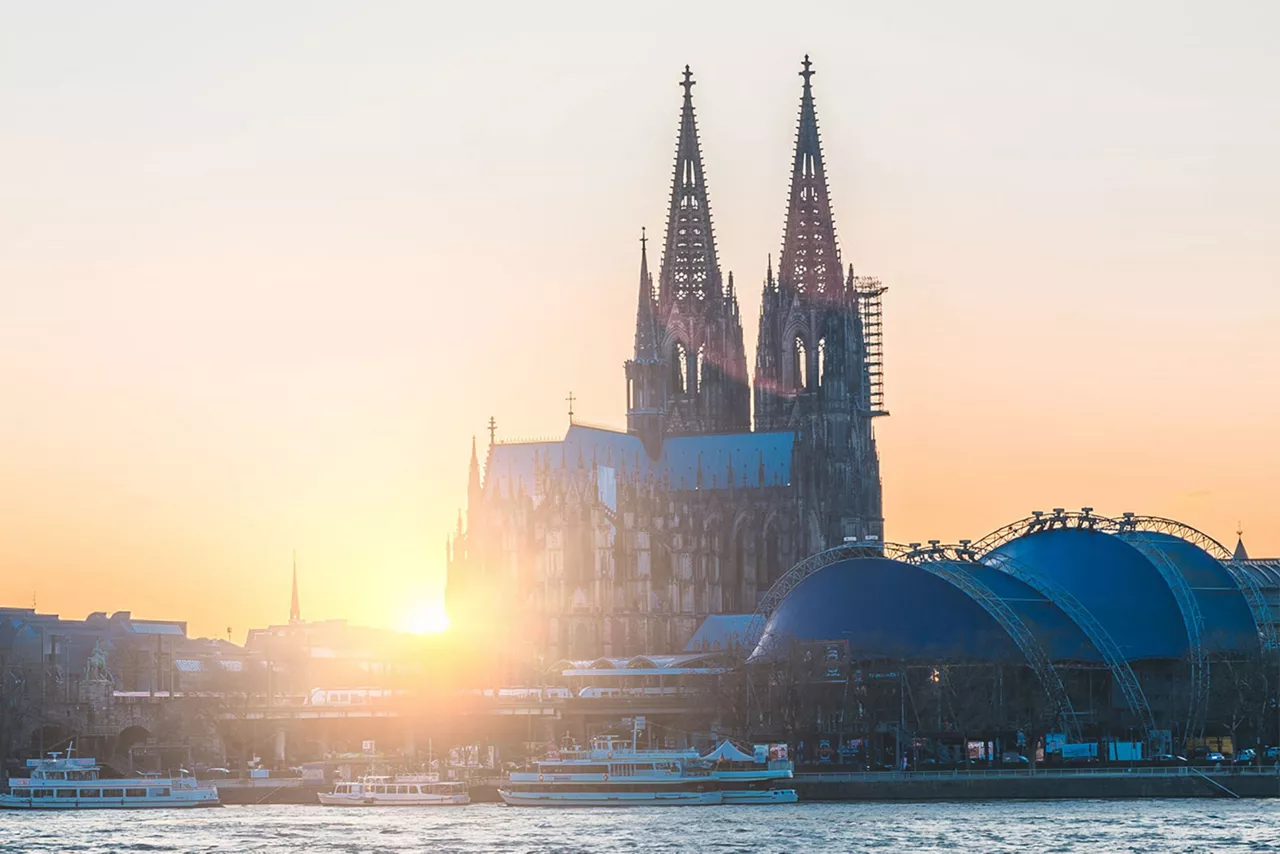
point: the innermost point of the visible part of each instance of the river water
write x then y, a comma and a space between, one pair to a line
1038, 826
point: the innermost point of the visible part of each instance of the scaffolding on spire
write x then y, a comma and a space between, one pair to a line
871, 311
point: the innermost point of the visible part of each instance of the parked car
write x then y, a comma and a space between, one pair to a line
1214, 756
1246, 756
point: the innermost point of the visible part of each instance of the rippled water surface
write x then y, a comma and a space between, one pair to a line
1040, 826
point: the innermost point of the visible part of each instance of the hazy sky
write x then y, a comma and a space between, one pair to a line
266, 267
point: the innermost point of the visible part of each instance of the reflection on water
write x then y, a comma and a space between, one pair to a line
1208, 826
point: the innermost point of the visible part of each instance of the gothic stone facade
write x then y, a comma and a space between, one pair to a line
616, 544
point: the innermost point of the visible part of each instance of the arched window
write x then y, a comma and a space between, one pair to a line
802, 365
702, 366
680, 376
822, 361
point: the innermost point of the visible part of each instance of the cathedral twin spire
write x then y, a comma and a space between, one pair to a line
690, 324
690, 270
810, 260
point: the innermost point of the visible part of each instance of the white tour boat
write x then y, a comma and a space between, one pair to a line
759, 778
67, 783
612, 773
419, 790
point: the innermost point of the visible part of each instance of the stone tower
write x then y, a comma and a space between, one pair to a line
697, 330
811, 362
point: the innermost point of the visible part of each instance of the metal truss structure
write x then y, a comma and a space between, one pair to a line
871, 311
950, 563
1134, 526
1257, 599
1111, 653
791, 579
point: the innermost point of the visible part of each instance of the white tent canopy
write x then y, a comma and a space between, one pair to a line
728, 753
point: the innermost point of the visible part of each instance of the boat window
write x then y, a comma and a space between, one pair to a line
66, 793
22, 793
415, 790
42, 793
575, 769
90, 793
135, 793
160, 793
113, 793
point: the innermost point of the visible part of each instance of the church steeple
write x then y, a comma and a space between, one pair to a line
698, 330
295, 610
474, 494
810, 260
646, 392
811, 360
690, 269
646, 332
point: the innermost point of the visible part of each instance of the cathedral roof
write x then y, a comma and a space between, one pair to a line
690, 462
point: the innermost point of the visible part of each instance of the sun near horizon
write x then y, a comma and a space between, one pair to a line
264, 274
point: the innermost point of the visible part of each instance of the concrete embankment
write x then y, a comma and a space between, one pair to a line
908, 786
1039, 785
286, 790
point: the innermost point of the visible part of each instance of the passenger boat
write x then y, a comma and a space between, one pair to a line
72, 783
419, 790
753, 778
612, 773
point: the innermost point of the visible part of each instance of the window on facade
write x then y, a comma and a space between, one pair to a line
822, 360
680, 367
702, 366
802, 364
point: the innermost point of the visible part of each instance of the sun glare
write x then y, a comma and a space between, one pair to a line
426, 618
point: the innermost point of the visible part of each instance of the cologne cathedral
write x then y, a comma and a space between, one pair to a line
612, 544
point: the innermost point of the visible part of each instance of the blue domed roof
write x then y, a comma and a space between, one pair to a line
1114, 582
1228, 624
1059, 636
886, 609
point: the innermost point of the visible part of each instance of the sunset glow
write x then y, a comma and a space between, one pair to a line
257, 300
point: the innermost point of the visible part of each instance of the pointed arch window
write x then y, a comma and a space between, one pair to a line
680, 367
802, 364
822, 361
701, 366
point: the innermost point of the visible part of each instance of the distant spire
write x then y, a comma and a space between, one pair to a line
1241, 553
295, 610
646, 331
690, 269
474, 493
810, 260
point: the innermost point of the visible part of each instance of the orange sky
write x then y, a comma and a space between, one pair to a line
265, 270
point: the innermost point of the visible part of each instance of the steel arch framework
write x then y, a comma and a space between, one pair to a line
949, 564
798, 573
1188, 605
1111, 653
